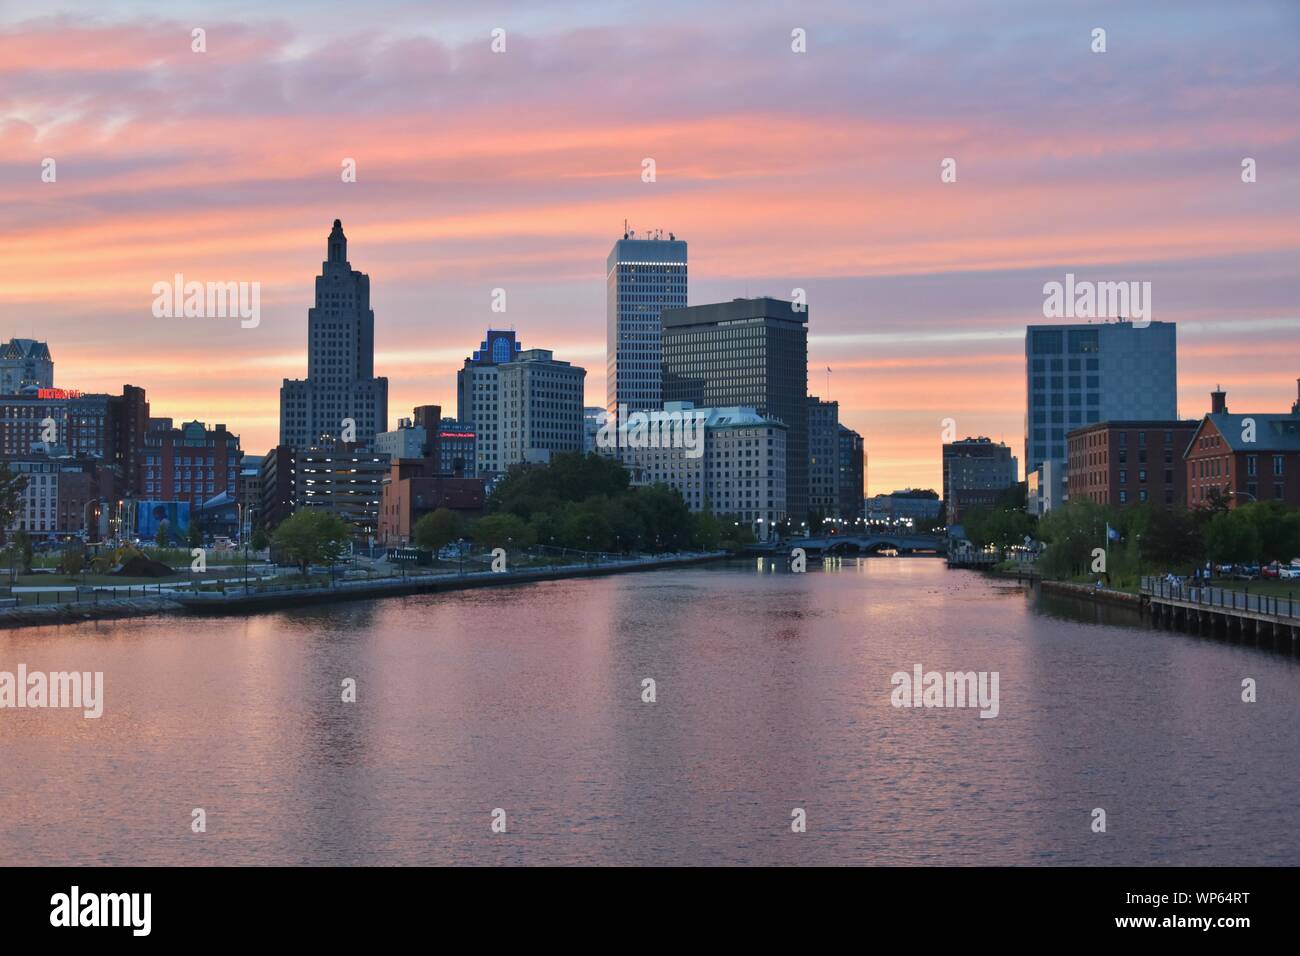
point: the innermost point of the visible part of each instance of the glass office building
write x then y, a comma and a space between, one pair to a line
751, 352
1080, 374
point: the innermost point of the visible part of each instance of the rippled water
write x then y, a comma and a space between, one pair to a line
773, 693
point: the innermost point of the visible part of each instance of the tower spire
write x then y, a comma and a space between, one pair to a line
338, 243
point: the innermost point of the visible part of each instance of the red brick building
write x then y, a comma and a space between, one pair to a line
1245, 457
413, 489
192, 463
1122, 463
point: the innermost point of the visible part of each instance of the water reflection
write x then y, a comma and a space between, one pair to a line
772, 692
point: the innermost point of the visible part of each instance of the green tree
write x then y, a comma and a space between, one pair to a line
1231, 537
194, 536
500, 530
72, 560
437, 529
12, 485
23, 550
706, 530
1072, 533
1171, 538
311, 536
260, 538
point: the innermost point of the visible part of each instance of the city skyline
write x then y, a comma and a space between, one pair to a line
920, 291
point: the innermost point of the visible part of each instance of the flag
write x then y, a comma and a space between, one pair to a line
1111, 533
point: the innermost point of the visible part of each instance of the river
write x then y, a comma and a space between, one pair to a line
772, 692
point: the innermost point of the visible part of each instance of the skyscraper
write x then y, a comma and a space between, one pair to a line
1078, 374
340, 386
823, 457
751, 352
478, 396
642, 277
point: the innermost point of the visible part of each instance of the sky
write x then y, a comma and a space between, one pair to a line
818, 170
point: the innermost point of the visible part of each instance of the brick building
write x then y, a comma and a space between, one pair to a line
414, 488
1244, 457
1124, 463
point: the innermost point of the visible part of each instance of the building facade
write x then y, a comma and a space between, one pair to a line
976, 471
642, 278
823, 457
478, 397
344, 481
737, 471
278, 479
852, 474
745, 353
457, 448
191, 463
1126, 463
541, 407
1243, 458
1083, 373
340, 387
413, 488
25, 363
900, 507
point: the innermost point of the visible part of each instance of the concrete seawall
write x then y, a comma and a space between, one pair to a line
235, 601
1088, 592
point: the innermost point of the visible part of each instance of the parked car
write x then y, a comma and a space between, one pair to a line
1289, 571
1271, 570
1246, 572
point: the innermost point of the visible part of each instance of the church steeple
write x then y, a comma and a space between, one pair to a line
338, 243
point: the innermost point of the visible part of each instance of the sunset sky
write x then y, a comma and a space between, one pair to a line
819, 170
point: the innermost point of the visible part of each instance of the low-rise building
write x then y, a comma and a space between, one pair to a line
976, 471
413, 488
1124, 463
903, 506
1252, 457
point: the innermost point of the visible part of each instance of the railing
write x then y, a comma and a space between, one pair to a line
1226, 599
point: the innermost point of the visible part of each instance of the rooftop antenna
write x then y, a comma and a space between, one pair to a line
624, 228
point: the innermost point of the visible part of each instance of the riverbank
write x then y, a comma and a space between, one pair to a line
1092, 593
240, 602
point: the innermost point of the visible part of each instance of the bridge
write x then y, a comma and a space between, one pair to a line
868, 542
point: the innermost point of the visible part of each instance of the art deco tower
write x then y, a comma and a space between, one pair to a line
340, 385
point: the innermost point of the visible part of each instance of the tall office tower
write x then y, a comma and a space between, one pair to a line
823, 458
853, 470
1081, 373
25, 362
340, 385
541, 407
642, 277
751, 352
478, 397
